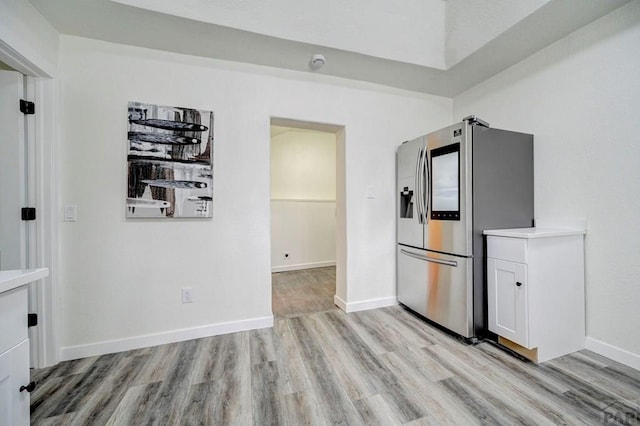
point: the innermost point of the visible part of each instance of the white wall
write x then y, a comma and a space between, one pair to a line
120, 279
579, 97
303, 199
306, 231
27, 35
303, 165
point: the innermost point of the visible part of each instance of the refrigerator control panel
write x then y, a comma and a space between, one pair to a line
440, 215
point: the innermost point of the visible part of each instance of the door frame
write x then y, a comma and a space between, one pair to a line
341, 200
43, 194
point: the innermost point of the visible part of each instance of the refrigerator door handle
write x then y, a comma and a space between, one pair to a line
419, 201
427, 176
430, 259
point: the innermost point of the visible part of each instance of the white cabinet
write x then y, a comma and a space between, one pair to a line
507, 289
14, 373
14, 345
535, 290
14, 357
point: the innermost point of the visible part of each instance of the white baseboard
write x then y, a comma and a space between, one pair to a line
144, 341
364, 305
340, 303
617, 354
300, 266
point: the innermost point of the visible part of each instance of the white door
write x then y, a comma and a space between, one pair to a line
12, 172
14, 187
507, 300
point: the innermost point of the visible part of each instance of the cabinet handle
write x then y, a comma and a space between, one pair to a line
29, 388
518, 283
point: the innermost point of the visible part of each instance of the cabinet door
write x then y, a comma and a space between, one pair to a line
507, 300
14, 372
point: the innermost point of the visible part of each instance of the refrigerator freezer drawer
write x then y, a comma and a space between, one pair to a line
438, 287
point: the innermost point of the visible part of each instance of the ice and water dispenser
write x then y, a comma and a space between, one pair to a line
406, 203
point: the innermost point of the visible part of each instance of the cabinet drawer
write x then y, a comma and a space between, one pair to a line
13, 317
14, 372
504, 248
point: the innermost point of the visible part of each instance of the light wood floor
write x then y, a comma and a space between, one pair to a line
303, 292
382, 366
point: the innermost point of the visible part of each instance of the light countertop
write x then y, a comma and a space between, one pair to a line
534, 232
17, 277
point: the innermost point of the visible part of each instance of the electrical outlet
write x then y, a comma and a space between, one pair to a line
187, 295
285, 255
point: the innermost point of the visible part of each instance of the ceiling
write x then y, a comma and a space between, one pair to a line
432, 46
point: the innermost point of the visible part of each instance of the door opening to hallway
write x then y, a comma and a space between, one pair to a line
17, 187
303, 218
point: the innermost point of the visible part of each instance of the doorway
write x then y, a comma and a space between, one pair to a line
30, 175
17, 241
307, 221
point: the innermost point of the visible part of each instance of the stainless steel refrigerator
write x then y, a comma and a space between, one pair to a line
451, 185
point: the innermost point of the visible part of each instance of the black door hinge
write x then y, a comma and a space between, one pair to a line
27, 107
32, 320
28, 213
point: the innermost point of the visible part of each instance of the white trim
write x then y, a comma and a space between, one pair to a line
364, 305
300, 200
299, 266
19, 62
617, 354
130, 343
340, 303
47, 190
43, 233
32, 139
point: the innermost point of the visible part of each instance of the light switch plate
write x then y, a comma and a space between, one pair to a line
370, 193
70, 213
187, 295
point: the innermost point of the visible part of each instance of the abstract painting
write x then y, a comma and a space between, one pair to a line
170, 162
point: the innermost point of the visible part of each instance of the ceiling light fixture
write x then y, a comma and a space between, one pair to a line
317, 62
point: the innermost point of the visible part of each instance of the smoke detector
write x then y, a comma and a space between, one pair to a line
317, 61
